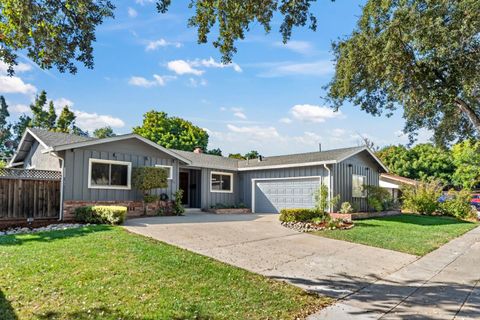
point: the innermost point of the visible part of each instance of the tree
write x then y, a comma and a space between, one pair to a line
215, 152
5, 130
172, 132
42, 117
66, 121
419, 55
466, 158
105, 132
51, 33
398, 160
235, 17
236, 156
252, 155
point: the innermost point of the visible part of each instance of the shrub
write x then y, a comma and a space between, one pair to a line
346, 207
150, 198
457, 204
178, 208
321, 199
146, 179
300, 215
422, 198
101, 214
379, 199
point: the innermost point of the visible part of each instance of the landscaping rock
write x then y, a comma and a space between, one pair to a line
310, 227
52, 227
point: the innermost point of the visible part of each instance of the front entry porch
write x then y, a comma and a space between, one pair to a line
190, 183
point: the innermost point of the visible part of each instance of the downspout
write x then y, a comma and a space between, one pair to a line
329, 187
62, 166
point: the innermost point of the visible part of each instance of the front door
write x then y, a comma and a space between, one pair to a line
185, 186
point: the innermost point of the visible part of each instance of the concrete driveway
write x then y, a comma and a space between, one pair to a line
260, 244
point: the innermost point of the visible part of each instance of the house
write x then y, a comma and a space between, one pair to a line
98, 171
394, 183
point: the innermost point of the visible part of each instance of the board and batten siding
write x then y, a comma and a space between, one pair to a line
209, 198
38, 160
360, 164
138, 153
246, 178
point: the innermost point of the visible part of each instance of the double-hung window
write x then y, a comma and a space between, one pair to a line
358, 182
221, 182
109, 174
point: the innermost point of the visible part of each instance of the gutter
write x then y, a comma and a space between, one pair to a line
329, 187
62, 166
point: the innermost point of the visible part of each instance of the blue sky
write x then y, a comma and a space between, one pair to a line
268, 99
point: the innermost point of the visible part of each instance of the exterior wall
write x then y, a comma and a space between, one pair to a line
134, 151
40, 161
245, 195
361, 164
209, 198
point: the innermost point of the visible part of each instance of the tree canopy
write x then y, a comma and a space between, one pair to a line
51, 33
5, 130
172, 132
419, 55
466, 158
105, 132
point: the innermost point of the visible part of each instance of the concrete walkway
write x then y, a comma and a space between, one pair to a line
260, 244
444, 284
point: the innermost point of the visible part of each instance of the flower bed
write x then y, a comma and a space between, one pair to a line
311, 226
51, 227
308, 220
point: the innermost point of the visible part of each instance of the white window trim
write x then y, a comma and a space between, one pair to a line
364, 195
129, 174
166, 166
224, 174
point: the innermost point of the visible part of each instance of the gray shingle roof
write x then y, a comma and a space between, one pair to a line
203, 160
53, 139
328, 155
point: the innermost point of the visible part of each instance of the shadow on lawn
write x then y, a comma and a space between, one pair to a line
441, 299
104, 313
6, 309
50, 236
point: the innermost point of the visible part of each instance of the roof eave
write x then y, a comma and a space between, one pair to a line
289, 165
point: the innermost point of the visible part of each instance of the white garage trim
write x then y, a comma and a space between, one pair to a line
254, 182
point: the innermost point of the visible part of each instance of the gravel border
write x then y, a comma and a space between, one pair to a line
51, 227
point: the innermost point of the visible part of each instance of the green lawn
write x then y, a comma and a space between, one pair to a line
408, 233
107, 273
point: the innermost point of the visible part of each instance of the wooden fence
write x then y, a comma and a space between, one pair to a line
28, 194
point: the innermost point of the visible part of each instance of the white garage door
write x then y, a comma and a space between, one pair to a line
271, 196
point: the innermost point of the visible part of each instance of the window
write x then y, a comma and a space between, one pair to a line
168, 168
109, 174
357, 186
221, 182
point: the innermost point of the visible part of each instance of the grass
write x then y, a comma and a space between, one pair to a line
107, 273
407, 233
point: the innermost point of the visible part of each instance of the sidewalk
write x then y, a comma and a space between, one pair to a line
444, 284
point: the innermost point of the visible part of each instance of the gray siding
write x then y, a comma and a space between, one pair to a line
245, 195
209, 198
134, 151
361, 164
40, 161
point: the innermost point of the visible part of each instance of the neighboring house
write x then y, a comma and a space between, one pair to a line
393, 184
98, 171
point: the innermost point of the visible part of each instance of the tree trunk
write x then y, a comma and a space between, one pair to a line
469, 112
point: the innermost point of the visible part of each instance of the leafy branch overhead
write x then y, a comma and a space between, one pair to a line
52, 33
233, 18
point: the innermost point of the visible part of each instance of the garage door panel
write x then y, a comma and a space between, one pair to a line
275, 195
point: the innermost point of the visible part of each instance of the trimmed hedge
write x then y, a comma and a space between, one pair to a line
299, 215
101, 214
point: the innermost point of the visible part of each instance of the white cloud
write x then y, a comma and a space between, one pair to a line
211, 63
316, 68
132, 13
21, 67
15, 85
143, 2
285, 120
92, 121
155, 44
157, 81
338, 132
183, 67
62, 102
308, 138
302, 47
223, 109
240, 115
312, 113
19, 108
255, 132
197, 83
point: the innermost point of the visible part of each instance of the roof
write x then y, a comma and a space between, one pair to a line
52, 139
203, 160
46, 138
399, 179
309, 158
